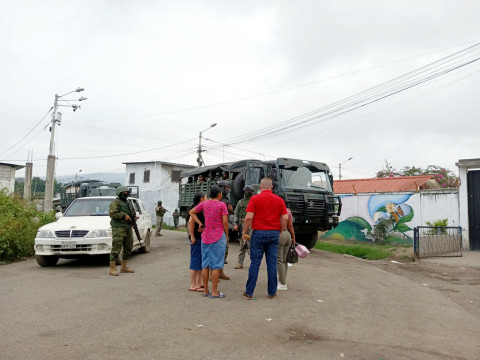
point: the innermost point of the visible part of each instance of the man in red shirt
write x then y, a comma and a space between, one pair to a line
266, 214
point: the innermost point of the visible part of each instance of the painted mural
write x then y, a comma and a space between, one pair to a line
362, 214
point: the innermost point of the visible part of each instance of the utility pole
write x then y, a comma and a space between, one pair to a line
49, 183
56, 117
340, 168
199, 150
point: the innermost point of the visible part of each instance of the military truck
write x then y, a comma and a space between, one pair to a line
305, 186
88, 188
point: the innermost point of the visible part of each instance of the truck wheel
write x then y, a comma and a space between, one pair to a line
146, 243
44, 261
309, 240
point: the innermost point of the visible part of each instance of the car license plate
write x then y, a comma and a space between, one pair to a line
69, 245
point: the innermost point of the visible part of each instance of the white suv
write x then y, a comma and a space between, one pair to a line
84, 229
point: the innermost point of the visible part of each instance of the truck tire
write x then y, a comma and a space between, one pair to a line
45, 261
309, 240
146, 243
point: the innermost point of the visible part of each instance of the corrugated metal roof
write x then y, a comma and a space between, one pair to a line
380, 185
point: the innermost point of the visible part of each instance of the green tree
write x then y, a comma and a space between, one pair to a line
38, 187
445, 177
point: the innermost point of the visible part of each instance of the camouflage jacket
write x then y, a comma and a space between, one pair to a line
241, 211
117, 211
160, 210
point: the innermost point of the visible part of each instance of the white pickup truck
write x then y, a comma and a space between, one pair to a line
84, 229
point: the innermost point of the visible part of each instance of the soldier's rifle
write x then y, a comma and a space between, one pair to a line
133, 221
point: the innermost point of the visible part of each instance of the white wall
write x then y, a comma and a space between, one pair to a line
406, 209
160, 187
7, 178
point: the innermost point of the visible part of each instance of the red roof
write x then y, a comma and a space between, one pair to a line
390, 184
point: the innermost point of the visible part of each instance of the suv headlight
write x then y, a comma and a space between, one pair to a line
45, 234
100, 233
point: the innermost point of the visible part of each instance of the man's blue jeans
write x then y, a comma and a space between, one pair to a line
263, 241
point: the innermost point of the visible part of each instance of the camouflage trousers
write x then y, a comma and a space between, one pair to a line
122, 238
244, 247
158, 228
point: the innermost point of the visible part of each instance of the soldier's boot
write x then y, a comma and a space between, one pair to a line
125, 268
113, 268
223, 276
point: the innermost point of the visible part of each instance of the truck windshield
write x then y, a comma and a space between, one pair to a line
89, 207
303, 178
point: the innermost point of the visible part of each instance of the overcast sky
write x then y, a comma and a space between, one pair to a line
156, 73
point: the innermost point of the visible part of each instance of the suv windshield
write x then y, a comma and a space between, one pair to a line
89, 207
303, 178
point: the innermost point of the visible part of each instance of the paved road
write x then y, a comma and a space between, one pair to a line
337, 307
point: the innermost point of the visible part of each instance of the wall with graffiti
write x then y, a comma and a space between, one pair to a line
399, 212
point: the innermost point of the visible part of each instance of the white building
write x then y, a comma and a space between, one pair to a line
7, 176
156, 180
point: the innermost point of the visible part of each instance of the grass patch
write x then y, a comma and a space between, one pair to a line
169, 227
369, 252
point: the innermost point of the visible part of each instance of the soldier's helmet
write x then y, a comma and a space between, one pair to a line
121, 189
248, 188
223, 183
159, 202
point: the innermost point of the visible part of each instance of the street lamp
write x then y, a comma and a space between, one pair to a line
340, 167
56, 118
199, 151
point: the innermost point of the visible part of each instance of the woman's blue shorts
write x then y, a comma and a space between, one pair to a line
213, 255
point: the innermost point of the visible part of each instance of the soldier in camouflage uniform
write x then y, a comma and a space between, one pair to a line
121, 213
159, 212
239, 217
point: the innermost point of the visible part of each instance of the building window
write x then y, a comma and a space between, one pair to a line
132, 178
146, 176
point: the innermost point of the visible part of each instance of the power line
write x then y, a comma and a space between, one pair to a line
364, 98
11, 147
273, 92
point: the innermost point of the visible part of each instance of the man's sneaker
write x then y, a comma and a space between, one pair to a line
239, 266
271, 297
247, 297
281, 286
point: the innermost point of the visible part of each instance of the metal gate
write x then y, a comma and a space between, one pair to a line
431, 241
473, 189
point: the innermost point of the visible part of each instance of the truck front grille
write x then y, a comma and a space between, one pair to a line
310, 207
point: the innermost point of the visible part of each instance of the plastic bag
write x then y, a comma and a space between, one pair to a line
301, 251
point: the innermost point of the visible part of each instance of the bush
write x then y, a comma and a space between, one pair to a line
380, 231
19, 223
438, 227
